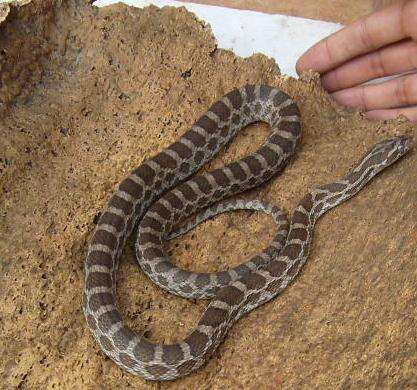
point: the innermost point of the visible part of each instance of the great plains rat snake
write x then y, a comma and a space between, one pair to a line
151, 199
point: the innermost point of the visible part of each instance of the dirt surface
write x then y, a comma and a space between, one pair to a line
329, 10
86, 95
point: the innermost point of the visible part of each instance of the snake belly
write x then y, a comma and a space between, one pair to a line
152, 199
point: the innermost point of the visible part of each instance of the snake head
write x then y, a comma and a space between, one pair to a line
390, 150
384, 153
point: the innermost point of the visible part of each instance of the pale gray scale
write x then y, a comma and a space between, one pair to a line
214, 280
104, 309
319, 191
98, 268
285, 259
213, 184
264, 256
148, 245
199, 130
295, 241
303, 210
286, 135
207, 330
192, 278
168, 206
136, 179
100, 248
109, 229
124, 195
99, 290
132, 344
343, 182
240, 286
173, 154
227, 171
261, 160
284, 104
153, 165
283, 231
298, 225
211, 115
158, 353
272, 94
193, 185
277, 149
267, 116
245, 168
288, 118
280, 219
180, 196
148, 229
220, 305
228, 104
244, 96
266, 275
116, 211
186, 142
186, 350
253, 266
275, 244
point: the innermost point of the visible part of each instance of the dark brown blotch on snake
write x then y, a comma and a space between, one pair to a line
100, 258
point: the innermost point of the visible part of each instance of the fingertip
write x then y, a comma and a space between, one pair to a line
380, 115
303, 64
347, 97
313, 59
329, 82
299, 66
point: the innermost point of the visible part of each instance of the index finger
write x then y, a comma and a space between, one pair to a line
367, 34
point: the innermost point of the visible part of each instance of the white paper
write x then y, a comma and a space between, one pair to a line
283, 38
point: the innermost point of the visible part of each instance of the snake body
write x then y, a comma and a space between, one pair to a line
152, 200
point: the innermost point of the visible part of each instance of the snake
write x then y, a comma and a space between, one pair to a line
165, 196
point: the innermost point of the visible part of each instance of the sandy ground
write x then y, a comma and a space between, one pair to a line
329, 10
86, 95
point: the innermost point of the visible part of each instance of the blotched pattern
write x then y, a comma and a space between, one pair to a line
151, 198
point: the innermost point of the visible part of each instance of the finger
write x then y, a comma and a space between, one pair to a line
367, 34
398, 92
409, 112
397, 58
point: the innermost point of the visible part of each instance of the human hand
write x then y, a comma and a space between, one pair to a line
381, 44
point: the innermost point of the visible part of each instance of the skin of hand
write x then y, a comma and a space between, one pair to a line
379, 45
